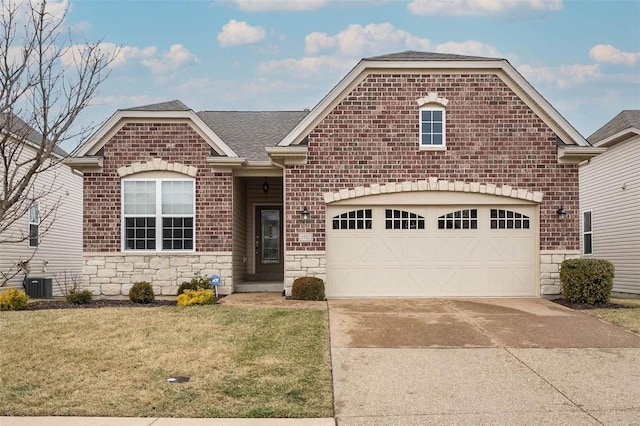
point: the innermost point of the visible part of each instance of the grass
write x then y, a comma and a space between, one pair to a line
628, 318
241, 361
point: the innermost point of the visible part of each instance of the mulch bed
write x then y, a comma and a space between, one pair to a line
101, 303
584, 306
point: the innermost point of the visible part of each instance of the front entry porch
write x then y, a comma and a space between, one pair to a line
258, 230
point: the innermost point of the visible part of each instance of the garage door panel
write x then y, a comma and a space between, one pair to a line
408, 260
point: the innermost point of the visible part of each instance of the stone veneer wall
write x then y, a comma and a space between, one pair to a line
113, 274
550, 261
303, 264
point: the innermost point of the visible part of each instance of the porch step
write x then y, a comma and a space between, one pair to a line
260, 287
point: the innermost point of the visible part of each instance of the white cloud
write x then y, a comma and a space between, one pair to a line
308, 67
239, 32
176, 57
562, 76
606, 53
470, 47
122, 55
268, 5
482, 7
356, 40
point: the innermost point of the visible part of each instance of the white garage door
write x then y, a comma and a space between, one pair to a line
431, 251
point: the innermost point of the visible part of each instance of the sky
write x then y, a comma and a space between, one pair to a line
582, 56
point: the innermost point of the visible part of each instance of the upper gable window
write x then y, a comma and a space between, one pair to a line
432, 127
433, 121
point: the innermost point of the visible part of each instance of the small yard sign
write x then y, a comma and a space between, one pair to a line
215, 280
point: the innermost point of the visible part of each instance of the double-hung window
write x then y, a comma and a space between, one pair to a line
587, 233
432, 127
34, 225
158, 214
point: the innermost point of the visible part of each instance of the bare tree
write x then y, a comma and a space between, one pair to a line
46, 81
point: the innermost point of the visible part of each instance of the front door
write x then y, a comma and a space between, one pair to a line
268, 240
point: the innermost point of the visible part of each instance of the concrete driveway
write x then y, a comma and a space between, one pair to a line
480, 361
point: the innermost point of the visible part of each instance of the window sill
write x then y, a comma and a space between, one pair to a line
433, 148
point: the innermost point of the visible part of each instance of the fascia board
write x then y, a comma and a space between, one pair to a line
577, 154
120, 118
618, 137
501, 68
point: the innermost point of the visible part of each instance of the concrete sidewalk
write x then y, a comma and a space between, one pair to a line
482, 361
155, 421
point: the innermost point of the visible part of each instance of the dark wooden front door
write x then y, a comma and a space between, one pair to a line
268, 239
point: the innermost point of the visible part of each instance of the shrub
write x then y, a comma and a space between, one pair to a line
13, 300
587, 280
141, 292
79, 297
200, 296
198, 281
308, 288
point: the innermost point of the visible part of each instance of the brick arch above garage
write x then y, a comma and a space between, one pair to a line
434, 184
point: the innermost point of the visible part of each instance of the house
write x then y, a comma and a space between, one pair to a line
418, 174
48, 239
610, 200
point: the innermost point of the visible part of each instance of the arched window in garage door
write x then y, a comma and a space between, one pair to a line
507, 219
461, 219
354, 219
402, 219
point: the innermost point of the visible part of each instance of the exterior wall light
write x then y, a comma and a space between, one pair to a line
562, 213
265, 186
305, 214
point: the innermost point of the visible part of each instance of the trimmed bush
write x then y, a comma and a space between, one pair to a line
200, 296
198, 281
79, 297
308, 288
141, 292
587, 280
13, 300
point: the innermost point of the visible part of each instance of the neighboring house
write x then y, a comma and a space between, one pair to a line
54, 247
610, 200
418, 174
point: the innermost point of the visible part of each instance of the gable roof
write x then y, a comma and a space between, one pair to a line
413, 61
22, 130
623, 125
174, 105
413, 55
249, 132
174, 111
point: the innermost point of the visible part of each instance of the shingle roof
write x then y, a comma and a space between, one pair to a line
412, 55
249, 132
625, 120
23, 130
174, 105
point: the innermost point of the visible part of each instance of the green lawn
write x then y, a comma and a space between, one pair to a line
241, 361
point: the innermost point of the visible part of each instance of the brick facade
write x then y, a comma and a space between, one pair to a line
492, 138
132, 148
142, 142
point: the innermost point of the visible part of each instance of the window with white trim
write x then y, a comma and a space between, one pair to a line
587, 233
158, 214
34, 225
432, 127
